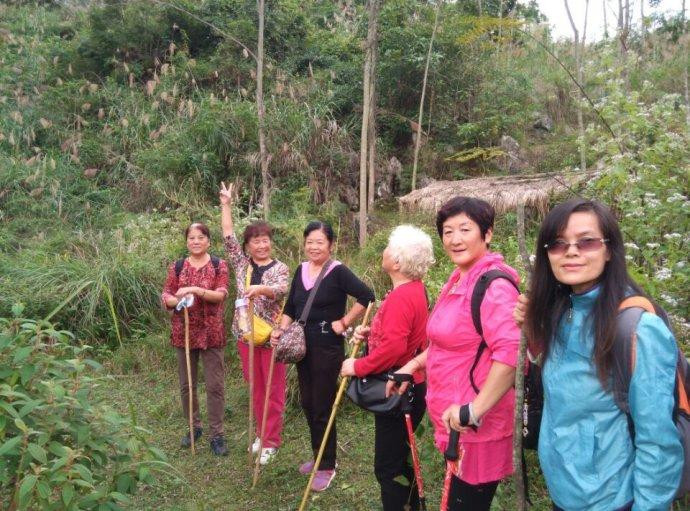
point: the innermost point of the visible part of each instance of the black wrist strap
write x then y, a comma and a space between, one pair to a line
464, 417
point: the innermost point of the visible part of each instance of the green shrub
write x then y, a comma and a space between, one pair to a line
61, 446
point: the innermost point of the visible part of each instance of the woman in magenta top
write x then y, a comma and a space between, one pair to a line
398, 333
466, 226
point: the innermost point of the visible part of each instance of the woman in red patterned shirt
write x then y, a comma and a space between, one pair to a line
206, 278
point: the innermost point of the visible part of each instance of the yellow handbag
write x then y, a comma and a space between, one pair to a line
261, 329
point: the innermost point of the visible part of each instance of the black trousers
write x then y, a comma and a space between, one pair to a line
391, 451
317, 374
471, 497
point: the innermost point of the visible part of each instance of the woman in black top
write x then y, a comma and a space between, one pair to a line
318, 371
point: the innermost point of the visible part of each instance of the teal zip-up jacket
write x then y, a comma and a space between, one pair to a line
586, 452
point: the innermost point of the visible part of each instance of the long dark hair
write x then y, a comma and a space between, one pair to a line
549, 299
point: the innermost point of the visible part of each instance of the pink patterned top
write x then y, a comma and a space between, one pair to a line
276, 277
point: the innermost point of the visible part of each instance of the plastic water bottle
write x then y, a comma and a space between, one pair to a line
242, 315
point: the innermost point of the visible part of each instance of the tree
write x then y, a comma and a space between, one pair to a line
579, 50
373, 8
685, 71
261, 111
418, 139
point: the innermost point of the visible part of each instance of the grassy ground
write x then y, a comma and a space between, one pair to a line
206, 482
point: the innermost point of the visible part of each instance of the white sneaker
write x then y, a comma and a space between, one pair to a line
267, 454
255, 445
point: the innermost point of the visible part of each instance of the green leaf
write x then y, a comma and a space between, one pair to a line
9, 446
38, 453
67, 494
22, 353
124, 483
58, 449
27, 485
120, 497
26, 372
43, 489
21, 425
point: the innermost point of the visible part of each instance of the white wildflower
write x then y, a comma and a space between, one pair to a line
680, 264
662, 274
672, 235
652, 245
669, 299
632, 246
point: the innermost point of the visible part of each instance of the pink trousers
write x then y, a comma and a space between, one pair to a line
276, 400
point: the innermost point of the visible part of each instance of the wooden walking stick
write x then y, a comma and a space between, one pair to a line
250, 425
520, 376
262, 432
334, 410
184, 304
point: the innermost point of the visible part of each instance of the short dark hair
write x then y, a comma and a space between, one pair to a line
318, 225
198, 225
255, 229
479, 211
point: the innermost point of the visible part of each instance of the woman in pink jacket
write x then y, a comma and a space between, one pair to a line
478, 405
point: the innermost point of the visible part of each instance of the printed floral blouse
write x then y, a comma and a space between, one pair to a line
276, 277
206, 325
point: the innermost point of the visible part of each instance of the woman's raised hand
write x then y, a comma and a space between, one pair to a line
520, 309
226, 193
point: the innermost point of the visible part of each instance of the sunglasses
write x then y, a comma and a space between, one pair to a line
560, 247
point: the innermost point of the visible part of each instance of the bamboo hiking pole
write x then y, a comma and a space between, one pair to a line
520, 489
250, 424
262, 432
189, 379
334, 409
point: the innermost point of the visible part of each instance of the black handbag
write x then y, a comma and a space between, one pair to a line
369, 393
532, 408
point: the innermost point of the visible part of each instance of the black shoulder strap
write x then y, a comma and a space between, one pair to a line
477, 297
215, 261
178, 267
312, 294
179, 264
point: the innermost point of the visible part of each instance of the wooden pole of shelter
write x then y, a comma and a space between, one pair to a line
520, 374
334, 410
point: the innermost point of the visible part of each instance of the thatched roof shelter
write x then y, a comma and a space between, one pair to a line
504, 193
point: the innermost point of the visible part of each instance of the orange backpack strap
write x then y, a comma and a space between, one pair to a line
637, 301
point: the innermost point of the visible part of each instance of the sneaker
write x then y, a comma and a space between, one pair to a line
267, 454
255, 446
187, 442
322, 480
218, 446
306, 467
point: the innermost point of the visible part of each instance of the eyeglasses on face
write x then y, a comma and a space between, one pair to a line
559, 247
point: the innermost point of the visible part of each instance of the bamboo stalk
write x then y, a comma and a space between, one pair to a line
189, 379
250, 423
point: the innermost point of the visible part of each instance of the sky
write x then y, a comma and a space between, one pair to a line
558, 18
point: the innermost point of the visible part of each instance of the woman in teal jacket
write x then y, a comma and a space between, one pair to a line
589, 458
